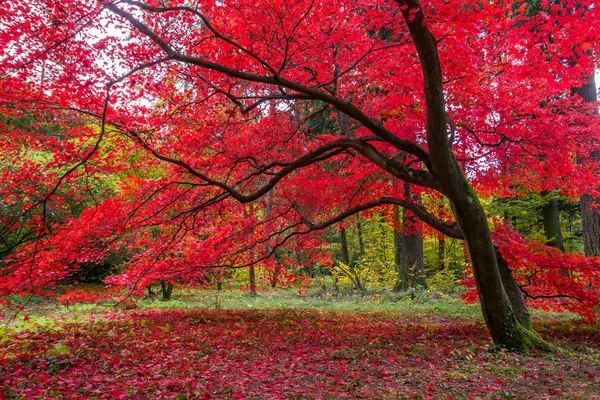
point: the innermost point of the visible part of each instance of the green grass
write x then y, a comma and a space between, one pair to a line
289, 298
40, 315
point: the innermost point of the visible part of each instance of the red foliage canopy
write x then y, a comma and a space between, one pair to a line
225, 130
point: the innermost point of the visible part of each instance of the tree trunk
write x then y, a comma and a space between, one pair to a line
442, 252
344, 246
513, 291
276, 268
412, 243
505, 329
275, 277
351, 272
590, 225
252, 279
361, 242
552, 229
590, 215
402, 277
441, 243
251, 269
166, 289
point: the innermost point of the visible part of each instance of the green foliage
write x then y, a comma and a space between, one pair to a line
444, 280
59, 349
371, 254
524, 213
320, 120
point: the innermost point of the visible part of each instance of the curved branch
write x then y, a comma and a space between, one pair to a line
353, 112
323, 152
395, 168
422, 178
449, 229
208, 25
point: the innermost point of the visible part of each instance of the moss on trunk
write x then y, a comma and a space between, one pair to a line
522, 340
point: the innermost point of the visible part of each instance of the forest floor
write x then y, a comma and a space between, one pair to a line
286, 346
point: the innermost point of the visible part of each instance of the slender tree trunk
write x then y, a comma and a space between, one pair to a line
442, 252
590, 213
402, 281
441, 243
412, 243
552, 228
344, 246
251, 269
252, 279
348, 261
498, 313
276, 268
275, 277
361, 242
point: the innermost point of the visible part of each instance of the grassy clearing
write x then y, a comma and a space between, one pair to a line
288, 298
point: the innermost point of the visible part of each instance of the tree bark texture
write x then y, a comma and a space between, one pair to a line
498, 313
402, 281
590, 225
344, 246
513, 291
552, 228
166, 289
590, 213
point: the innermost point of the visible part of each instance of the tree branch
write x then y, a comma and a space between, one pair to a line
353, 112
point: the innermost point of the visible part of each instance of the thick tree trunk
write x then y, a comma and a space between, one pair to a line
590, 225
590, 214
513, 291
166, 289
552, 229
412, 243
499, 316
402, 277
